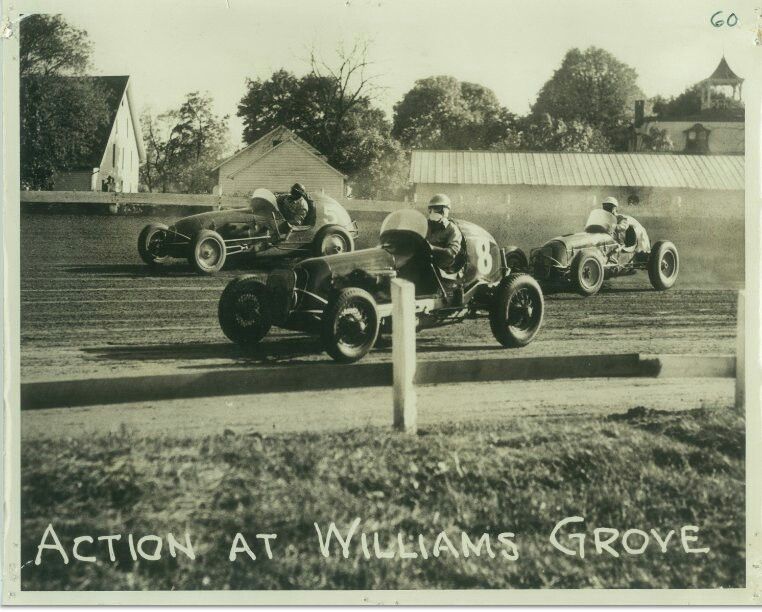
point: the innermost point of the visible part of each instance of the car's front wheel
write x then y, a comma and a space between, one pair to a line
517, 310
207, 252
350, 325
332, 240
243, 313
151, 242
663, 265
587, 273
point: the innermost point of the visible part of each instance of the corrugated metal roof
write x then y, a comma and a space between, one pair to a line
578, 169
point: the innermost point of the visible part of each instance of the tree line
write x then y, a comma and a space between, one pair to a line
587, 105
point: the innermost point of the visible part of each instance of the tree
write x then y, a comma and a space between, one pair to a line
548, 134
440, 112
595, 88
657, 140
688, 103
331, 107
61, 114
183, 145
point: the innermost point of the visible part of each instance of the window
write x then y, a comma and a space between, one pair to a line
113, 155
697, 139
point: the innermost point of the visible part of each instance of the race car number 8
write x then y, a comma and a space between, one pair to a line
483, 257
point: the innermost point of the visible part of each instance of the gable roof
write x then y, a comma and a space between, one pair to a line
114, 88
724, 172
281, 132
298, 142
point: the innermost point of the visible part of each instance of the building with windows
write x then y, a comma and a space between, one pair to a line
715, 128
117, 151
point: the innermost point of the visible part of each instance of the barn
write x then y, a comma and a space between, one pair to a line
485, 181
276, 161
117, 150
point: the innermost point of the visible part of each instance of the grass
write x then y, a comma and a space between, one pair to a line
644, 469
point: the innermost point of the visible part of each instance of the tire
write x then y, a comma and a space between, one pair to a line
147, 244
242, 311
349, 326
663, 265
331, 240
207, 252
587, 273
517, 311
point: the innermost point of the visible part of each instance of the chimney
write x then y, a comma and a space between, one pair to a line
640, 112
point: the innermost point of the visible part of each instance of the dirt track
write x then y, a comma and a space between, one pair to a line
90, 308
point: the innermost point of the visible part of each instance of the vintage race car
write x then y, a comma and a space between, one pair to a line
346, 298
207, 239
583, 260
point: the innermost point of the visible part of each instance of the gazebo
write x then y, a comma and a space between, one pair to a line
722, 76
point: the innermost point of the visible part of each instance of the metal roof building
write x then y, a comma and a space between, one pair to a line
716, 172
572, 182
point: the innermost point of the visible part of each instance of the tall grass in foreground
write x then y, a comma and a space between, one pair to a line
643, 469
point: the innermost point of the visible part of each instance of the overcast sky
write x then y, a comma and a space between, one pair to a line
171, 48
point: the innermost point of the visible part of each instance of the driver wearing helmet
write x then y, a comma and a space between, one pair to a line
443, 235
294, 205
610, 204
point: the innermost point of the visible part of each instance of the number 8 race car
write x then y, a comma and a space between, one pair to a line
207, 239
345, 298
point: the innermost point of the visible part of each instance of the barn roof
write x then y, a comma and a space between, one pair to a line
279, 133
724, 172
299, 143
115, 87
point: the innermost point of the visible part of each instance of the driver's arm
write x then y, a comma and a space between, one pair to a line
445, 255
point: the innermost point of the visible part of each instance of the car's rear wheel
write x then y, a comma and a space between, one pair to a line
663, 265
332, 240
587, 273
207, 252
151, 242
243, 312
350, 325
517, 310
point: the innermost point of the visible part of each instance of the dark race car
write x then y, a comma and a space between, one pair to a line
345, 298
583, 260
207, 239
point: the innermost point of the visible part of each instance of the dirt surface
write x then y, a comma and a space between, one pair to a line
357, 408
90, 308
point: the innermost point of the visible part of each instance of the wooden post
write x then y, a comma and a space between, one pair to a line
403, 355
741, 353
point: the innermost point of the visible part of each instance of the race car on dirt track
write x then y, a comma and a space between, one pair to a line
584, 260
345, 298
207, 239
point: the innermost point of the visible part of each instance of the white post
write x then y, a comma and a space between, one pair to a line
403, 355
741, 353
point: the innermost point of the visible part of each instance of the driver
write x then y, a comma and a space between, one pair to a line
294, 205
610, 204
443, 235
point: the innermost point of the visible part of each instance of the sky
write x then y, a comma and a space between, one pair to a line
170, 48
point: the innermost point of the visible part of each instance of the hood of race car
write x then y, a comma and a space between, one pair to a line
321, 269
213, 220
581, 240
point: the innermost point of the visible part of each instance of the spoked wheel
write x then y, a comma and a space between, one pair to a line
663, 265
243, 313
332, 241
517, 311
207, 254
350, 325
587, 273
151, 244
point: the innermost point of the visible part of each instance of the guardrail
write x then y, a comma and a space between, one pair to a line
113, 202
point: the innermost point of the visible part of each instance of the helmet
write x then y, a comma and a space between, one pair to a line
610, 204
298, 191
442, 200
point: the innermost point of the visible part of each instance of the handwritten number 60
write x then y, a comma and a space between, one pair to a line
717, 21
